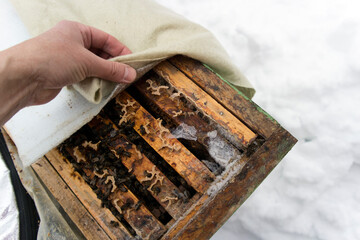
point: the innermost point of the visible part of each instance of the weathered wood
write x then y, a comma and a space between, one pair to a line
171, 106
211, 217
238, 104
177, 112
67, 200
140, 219
160, 187
203, 101
182, 160
181, 223
170, 149
86, 195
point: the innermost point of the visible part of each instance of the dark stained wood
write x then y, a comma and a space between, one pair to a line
141, 166
86, 195
223, 204
182, 223
242, 107
208, 105
170, 149
177, 112
172, 107
84, 221
141, 219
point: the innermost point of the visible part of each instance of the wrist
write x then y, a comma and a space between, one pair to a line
17, 82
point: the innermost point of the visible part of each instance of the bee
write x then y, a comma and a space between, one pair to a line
137, 205
114, 224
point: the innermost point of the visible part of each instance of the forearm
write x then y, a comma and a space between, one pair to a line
17, 84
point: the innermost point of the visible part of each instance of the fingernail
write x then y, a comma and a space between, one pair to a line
129, 75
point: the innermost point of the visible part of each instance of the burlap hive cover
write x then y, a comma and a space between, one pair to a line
152, 33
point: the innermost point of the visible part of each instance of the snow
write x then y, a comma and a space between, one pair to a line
9, 226
303, 59
11, 34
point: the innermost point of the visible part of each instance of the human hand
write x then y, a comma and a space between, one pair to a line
33, 72
66, 54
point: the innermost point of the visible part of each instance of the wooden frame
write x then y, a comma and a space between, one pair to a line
249, 132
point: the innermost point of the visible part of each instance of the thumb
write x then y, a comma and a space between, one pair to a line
112, 71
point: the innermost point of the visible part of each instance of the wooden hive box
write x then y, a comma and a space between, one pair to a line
172, 157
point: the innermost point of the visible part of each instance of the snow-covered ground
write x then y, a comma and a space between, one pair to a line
9, 225
303, 59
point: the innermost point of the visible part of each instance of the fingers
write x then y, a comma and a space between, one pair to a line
97, 39
99, 47
100, 53
112, 71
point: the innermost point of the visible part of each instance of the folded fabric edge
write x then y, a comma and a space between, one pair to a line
107, 90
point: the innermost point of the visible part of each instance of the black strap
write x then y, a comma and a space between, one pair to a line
28, 216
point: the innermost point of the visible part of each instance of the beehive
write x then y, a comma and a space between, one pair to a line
172, 157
